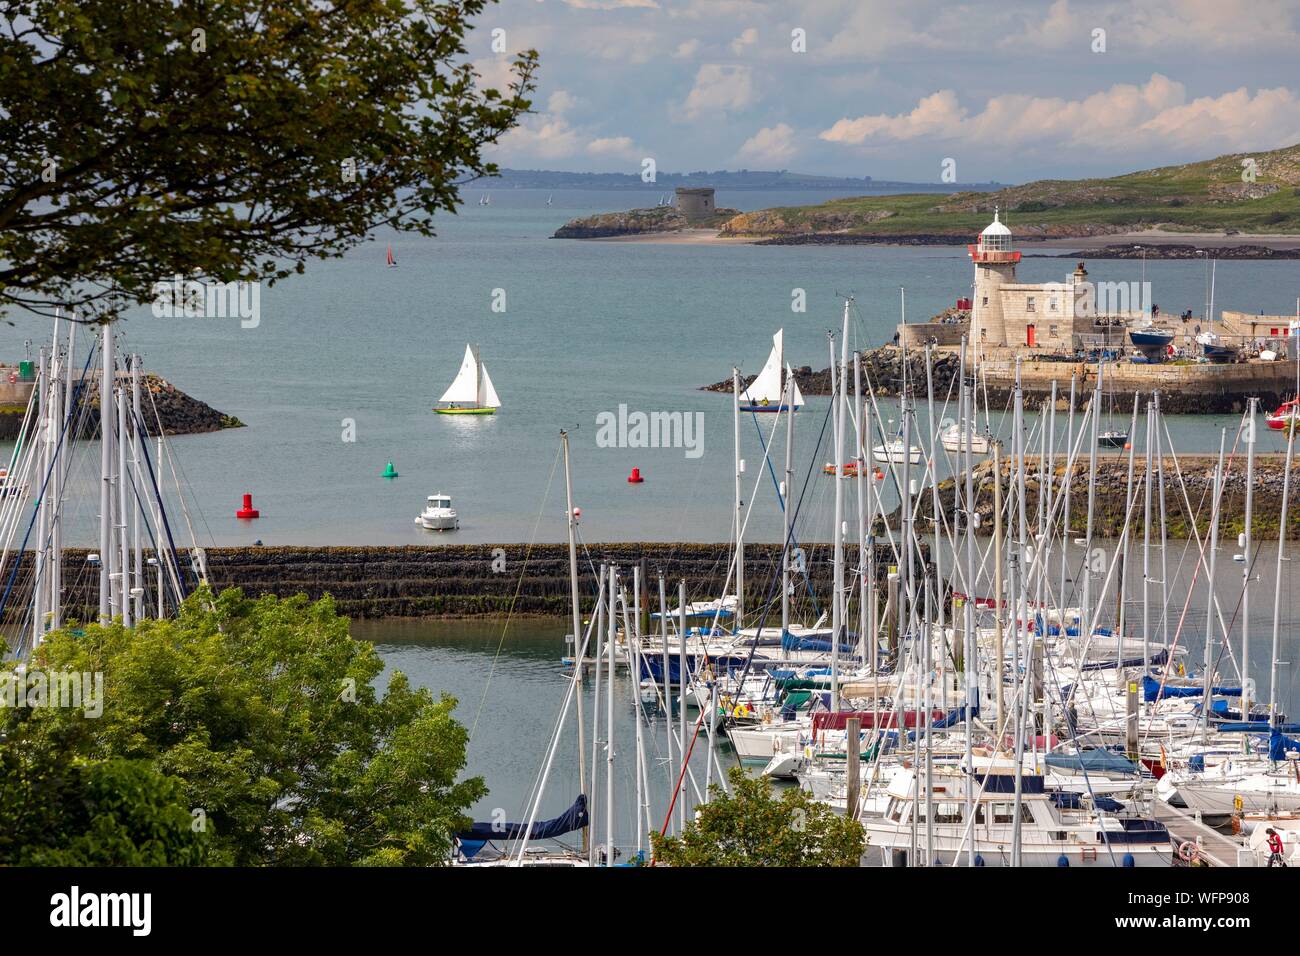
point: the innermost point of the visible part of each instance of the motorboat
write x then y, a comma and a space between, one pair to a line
438, 514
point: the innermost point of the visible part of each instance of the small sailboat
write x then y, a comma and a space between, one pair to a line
1113, 438
392, 263
471, 393
765, 393
548, 198
955, 439
1151, 337
485, 199
438, 514
1286, 413
1214, 349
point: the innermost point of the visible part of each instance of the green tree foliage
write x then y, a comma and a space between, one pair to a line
232, 140
750, 827
99, 813
264, 714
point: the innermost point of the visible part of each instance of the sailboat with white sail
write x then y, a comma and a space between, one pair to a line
766, 393
471, 393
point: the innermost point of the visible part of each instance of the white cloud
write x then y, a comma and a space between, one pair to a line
1122, 118
771, 145
620, 147
545, 137
746, 39
560, 102
687, 48
611, 4
719, 89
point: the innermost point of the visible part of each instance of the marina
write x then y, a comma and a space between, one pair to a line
719, 440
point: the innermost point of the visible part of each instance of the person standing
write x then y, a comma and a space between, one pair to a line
1274, 848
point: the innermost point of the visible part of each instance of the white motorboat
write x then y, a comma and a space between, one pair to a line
895, 453
438, 514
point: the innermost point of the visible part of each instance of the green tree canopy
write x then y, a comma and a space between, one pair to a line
141, 139
265, 714
751, 827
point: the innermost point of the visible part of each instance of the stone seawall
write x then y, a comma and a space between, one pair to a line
178, 413
1111, 500
465, 580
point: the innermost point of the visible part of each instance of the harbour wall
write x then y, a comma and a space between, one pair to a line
1110, 499
467, 580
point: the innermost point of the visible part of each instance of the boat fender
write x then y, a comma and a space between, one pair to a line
1062, 860
979, 859
1129, 861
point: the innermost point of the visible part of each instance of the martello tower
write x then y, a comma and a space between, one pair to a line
995, 265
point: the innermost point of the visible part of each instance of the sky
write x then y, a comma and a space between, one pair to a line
1007, 91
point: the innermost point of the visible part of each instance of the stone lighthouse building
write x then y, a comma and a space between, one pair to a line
995, 266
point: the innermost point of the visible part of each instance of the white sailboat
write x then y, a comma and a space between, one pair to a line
471, 393
955, 439
765, 393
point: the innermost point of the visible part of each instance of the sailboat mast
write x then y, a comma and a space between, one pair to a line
787, 493
968, 645
106, 475
740, 532
837, 612
609, 718
1245, 567
1274, 717
859, 481
136, 439
577, 628
1213, 545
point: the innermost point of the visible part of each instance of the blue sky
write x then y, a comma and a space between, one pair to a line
1009, 90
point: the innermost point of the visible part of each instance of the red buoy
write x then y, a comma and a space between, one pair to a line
635, 478
248, 511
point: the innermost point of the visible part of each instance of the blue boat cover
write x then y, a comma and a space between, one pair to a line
574, 818
1151, 690
1069, 800
791, 643
1279, 743
1094, 761
1006, 783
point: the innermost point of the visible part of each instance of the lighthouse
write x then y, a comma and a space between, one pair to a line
995, 266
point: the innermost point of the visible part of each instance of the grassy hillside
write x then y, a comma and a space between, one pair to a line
1208, 196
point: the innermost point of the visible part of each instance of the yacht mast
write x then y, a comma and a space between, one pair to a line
577, 628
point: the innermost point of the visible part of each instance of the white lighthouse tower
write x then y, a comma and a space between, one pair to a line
995, 265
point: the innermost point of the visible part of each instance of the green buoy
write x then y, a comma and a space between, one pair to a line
390, 471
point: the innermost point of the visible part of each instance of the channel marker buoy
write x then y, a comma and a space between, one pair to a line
248, 511
390, 471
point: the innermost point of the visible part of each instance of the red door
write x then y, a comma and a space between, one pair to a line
1029, 336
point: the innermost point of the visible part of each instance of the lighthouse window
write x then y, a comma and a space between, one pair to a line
986, 301
1030, 305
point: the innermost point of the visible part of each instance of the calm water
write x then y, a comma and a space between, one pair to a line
510, 689
588, 326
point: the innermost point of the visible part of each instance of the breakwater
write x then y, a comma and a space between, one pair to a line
1187, 503
466, 580
162, 403
1191, 389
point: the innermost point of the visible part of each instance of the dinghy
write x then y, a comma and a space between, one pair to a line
471, 393
766, 392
